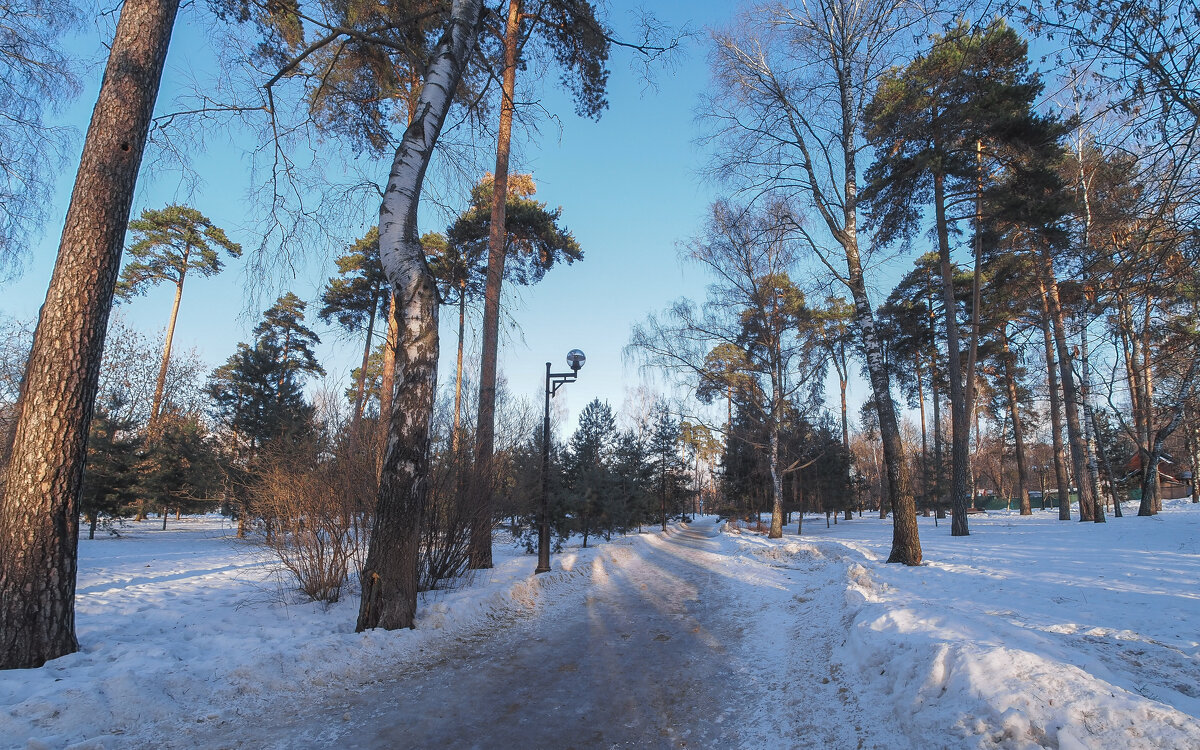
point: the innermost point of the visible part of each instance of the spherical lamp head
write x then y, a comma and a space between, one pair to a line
575, 359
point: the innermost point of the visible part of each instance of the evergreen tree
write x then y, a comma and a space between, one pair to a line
258, 398
669, 482
521, 239
169, 244
937, 126
109, 476
355, 299
589, 476
282, 331
179, 469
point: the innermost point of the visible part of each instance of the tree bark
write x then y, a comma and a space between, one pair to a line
960, 428
458, 370
1066, 372
1060, 469
485, 429
361, 389
39, 512
387, 379
1014, 410
161, 383
390, 573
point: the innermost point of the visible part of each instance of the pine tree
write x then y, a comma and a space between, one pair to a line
355, 299
110, 475
669, 482
40, 502
937, 126
169, 244
530, 243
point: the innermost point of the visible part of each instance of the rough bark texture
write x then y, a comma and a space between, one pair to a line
39, 512
387, 380
390, 574
485, 430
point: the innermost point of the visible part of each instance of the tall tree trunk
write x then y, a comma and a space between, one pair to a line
161, 383
39, 512
485, 429
360, 391
1070, 392
1060, 469
387, 379
390, 573
1014, 411
1093, 472
960, 428
924, 436
458, 369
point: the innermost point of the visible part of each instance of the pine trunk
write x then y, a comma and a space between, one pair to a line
390, 573
387, 378
485, 429
1014, 410
960, 428
1060, 468
360, 391
161, 383
39, 512
1075, 438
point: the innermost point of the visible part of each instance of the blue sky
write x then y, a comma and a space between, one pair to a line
628, 186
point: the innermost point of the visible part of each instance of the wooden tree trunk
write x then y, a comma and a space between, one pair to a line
960, 428
387, 379
360, 391
39, 512
390, 573
458, 369
485, 429
1014, 410
1060, 468
161, 383
1066, 373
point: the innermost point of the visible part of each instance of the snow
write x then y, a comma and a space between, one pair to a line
1029, 633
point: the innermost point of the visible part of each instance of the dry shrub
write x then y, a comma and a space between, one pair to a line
446, 526
316, 510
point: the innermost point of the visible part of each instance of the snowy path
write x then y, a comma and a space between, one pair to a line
660, 648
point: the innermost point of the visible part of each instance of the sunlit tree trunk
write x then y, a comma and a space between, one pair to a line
485, 428
1014, 411
39, 511
390, 573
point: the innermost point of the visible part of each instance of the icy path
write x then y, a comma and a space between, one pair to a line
669, 643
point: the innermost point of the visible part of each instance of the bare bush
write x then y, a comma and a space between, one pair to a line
316, 509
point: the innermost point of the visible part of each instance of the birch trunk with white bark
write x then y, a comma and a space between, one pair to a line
390, 573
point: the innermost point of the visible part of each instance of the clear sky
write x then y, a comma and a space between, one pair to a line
628, 186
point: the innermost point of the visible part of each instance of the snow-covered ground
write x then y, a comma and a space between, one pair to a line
1029, 633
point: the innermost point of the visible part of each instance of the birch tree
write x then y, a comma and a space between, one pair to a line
752, 316
791, 82
390, 574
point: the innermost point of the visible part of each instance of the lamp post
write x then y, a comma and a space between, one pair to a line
554, 381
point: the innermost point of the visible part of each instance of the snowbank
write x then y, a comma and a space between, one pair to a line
1030, 632
194, 625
